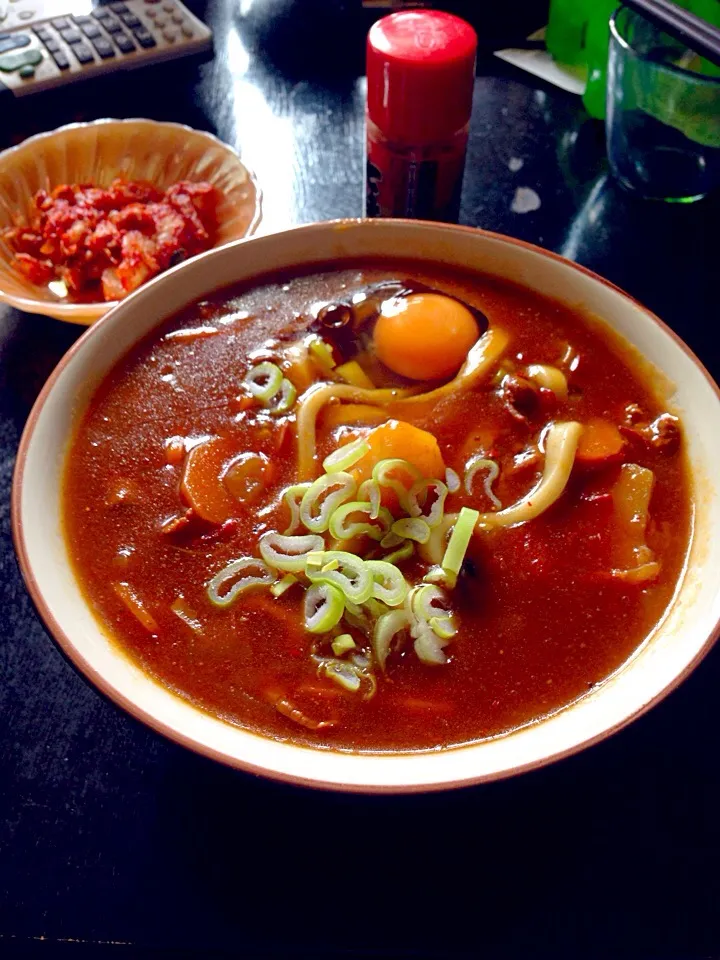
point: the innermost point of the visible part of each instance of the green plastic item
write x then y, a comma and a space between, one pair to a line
565, 34
597, 39
578, 36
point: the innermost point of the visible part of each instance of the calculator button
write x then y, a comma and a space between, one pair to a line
130, 20
83, 53
10, 62
14, 41
102, 14
168, 7
112, 26
187, 31
103, 48
152, 14
160, 21
170, 36
27, 71
144, 38
118, 8
26, 14
177, 18
61, 60
92, 31
82, 21
52, 46
71, 35
43, 33
124, 43
62, 23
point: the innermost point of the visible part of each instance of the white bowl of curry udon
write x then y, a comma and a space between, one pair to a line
377, 506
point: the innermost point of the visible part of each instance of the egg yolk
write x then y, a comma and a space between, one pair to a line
425, 336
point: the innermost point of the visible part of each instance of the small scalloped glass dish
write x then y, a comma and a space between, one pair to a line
97, 153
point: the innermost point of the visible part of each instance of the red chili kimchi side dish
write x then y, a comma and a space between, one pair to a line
379, 507
105, 243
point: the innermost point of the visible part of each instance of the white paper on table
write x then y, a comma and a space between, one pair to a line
540, 64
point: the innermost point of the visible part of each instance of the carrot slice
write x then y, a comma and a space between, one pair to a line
135, 605
600, 443
398, 439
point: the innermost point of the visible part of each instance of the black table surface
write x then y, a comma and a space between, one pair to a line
114, 840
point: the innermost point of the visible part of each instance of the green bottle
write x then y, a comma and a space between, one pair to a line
565, 35
597, 38
578, 34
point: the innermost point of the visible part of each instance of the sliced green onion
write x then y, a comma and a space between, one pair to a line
434, 550
342, 644
443, 627
357, 617
375, 608
424, 609
483, 463
315, 559
389, 584
353, 577
429, 647
422, 600
287, 397
322, 354
352, 674
318, 504
459, 540
382, 474
412, 528
370, 490
402, 553
342, 528
452, 480
418, 495
288, 553
282, 586
264, 380
386, 628
292, 497
391, 540
444, 577
346, 675
324, 607
346, 456
226, 586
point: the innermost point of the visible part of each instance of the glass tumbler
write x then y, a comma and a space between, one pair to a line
663, 113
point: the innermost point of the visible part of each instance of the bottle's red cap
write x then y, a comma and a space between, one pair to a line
420, 74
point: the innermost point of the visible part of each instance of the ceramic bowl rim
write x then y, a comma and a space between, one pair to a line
77, 659
95, 310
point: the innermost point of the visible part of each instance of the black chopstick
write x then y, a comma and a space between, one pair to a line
696, 33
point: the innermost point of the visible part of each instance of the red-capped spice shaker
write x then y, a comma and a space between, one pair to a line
420, 76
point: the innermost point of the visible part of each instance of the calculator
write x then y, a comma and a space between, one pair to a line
42, 48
